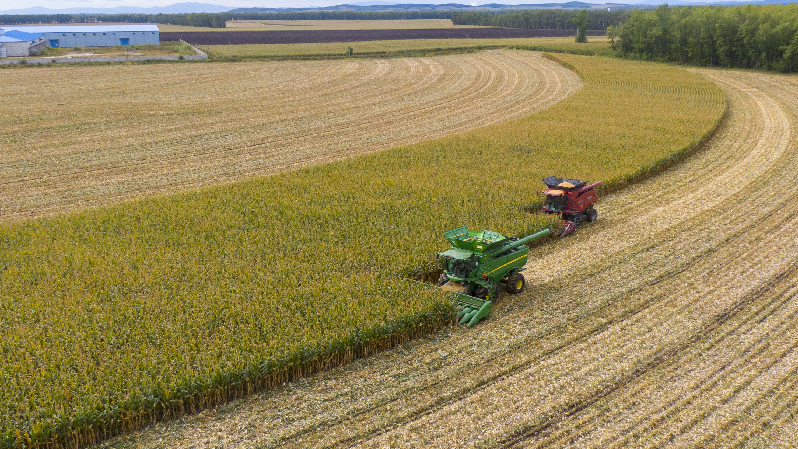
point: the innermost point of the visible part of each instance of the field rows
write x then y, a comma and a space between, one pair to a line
233, 122
144, 311
668, 321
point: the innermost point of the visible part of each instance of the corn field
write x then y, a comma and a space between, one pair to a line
119, 316
668, 322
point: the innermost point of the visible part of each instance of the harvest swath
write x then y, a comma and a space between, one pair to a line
120, 316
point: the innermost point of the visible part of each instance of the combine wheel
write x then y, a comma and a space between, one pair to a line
592, 214
442, 279
516, 283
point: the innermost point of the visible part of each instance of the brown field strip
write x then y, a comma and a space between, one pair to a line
670, 321
185, 127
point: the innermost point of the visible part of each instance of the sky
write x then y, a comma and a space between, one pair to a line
62, 4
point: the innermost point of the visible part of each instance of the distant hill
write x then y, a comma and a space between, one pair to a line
385, 6
376, 6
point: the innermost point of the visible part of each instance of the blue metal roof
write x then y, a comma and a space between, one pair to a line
21, 35
8, 39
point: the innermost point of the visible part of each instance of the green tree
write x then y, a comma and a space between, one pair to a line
582, 21
612, 35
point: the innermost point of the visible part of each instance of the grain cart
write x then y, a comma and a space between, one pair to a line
477, 264
571, 198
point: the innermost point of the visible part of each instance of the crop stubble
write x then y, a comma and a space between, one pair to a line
188, 127
668, 321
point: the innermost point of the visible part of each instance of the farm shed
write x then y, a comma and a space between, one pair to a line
18, 43
93, 35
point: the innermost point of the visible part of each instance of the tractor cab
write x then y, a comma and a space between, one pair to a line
555, 200
460, 263
559, 192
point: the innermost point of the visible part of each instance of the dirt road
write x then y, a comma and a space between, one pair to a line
670, 321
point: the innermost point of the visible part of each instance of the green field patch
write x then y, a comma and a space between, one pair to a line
163, 49
116, 317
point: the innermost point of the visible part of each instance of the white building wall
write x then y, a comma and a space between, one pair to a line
102, 39
17, 48
67, 36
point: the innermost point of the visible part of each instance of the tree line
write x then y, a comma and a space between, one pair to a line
761, 37
218, 20
209, 20
541, 19
339, 15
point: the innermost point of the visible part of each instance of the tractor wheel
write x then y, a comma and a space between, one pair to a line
516, 283
592, 214
442, 279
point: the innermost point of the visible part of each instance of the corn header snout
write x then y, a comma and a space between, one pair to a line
477, 264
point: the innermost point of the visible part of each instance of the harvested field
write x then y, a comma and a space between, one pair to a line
324, 36
670, 321
211, 124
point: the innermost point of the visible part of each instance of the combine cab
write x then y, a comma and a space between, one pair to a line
477, 264
572, 199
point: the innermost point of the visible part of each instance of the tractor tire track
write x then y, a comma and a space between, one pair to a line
654, 301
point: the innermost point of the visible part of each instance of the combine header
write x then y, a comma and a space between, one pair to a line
571, 198
477, 264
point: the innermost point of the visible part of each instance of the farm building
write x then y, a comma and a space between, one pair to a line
92, 35
19, 43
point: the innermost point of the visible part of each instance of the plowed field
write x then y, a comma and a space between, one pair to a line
670, 321
170, 127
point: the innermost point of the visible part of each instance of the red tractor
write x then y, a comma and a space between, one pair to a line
572, 199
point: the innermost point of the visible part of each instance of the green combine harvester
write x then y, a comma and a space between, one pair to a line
477, 264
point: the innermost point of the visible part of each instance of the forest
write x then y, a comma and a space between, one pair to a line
243, 14
207, 20
759, 37
541, 19
218, 20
